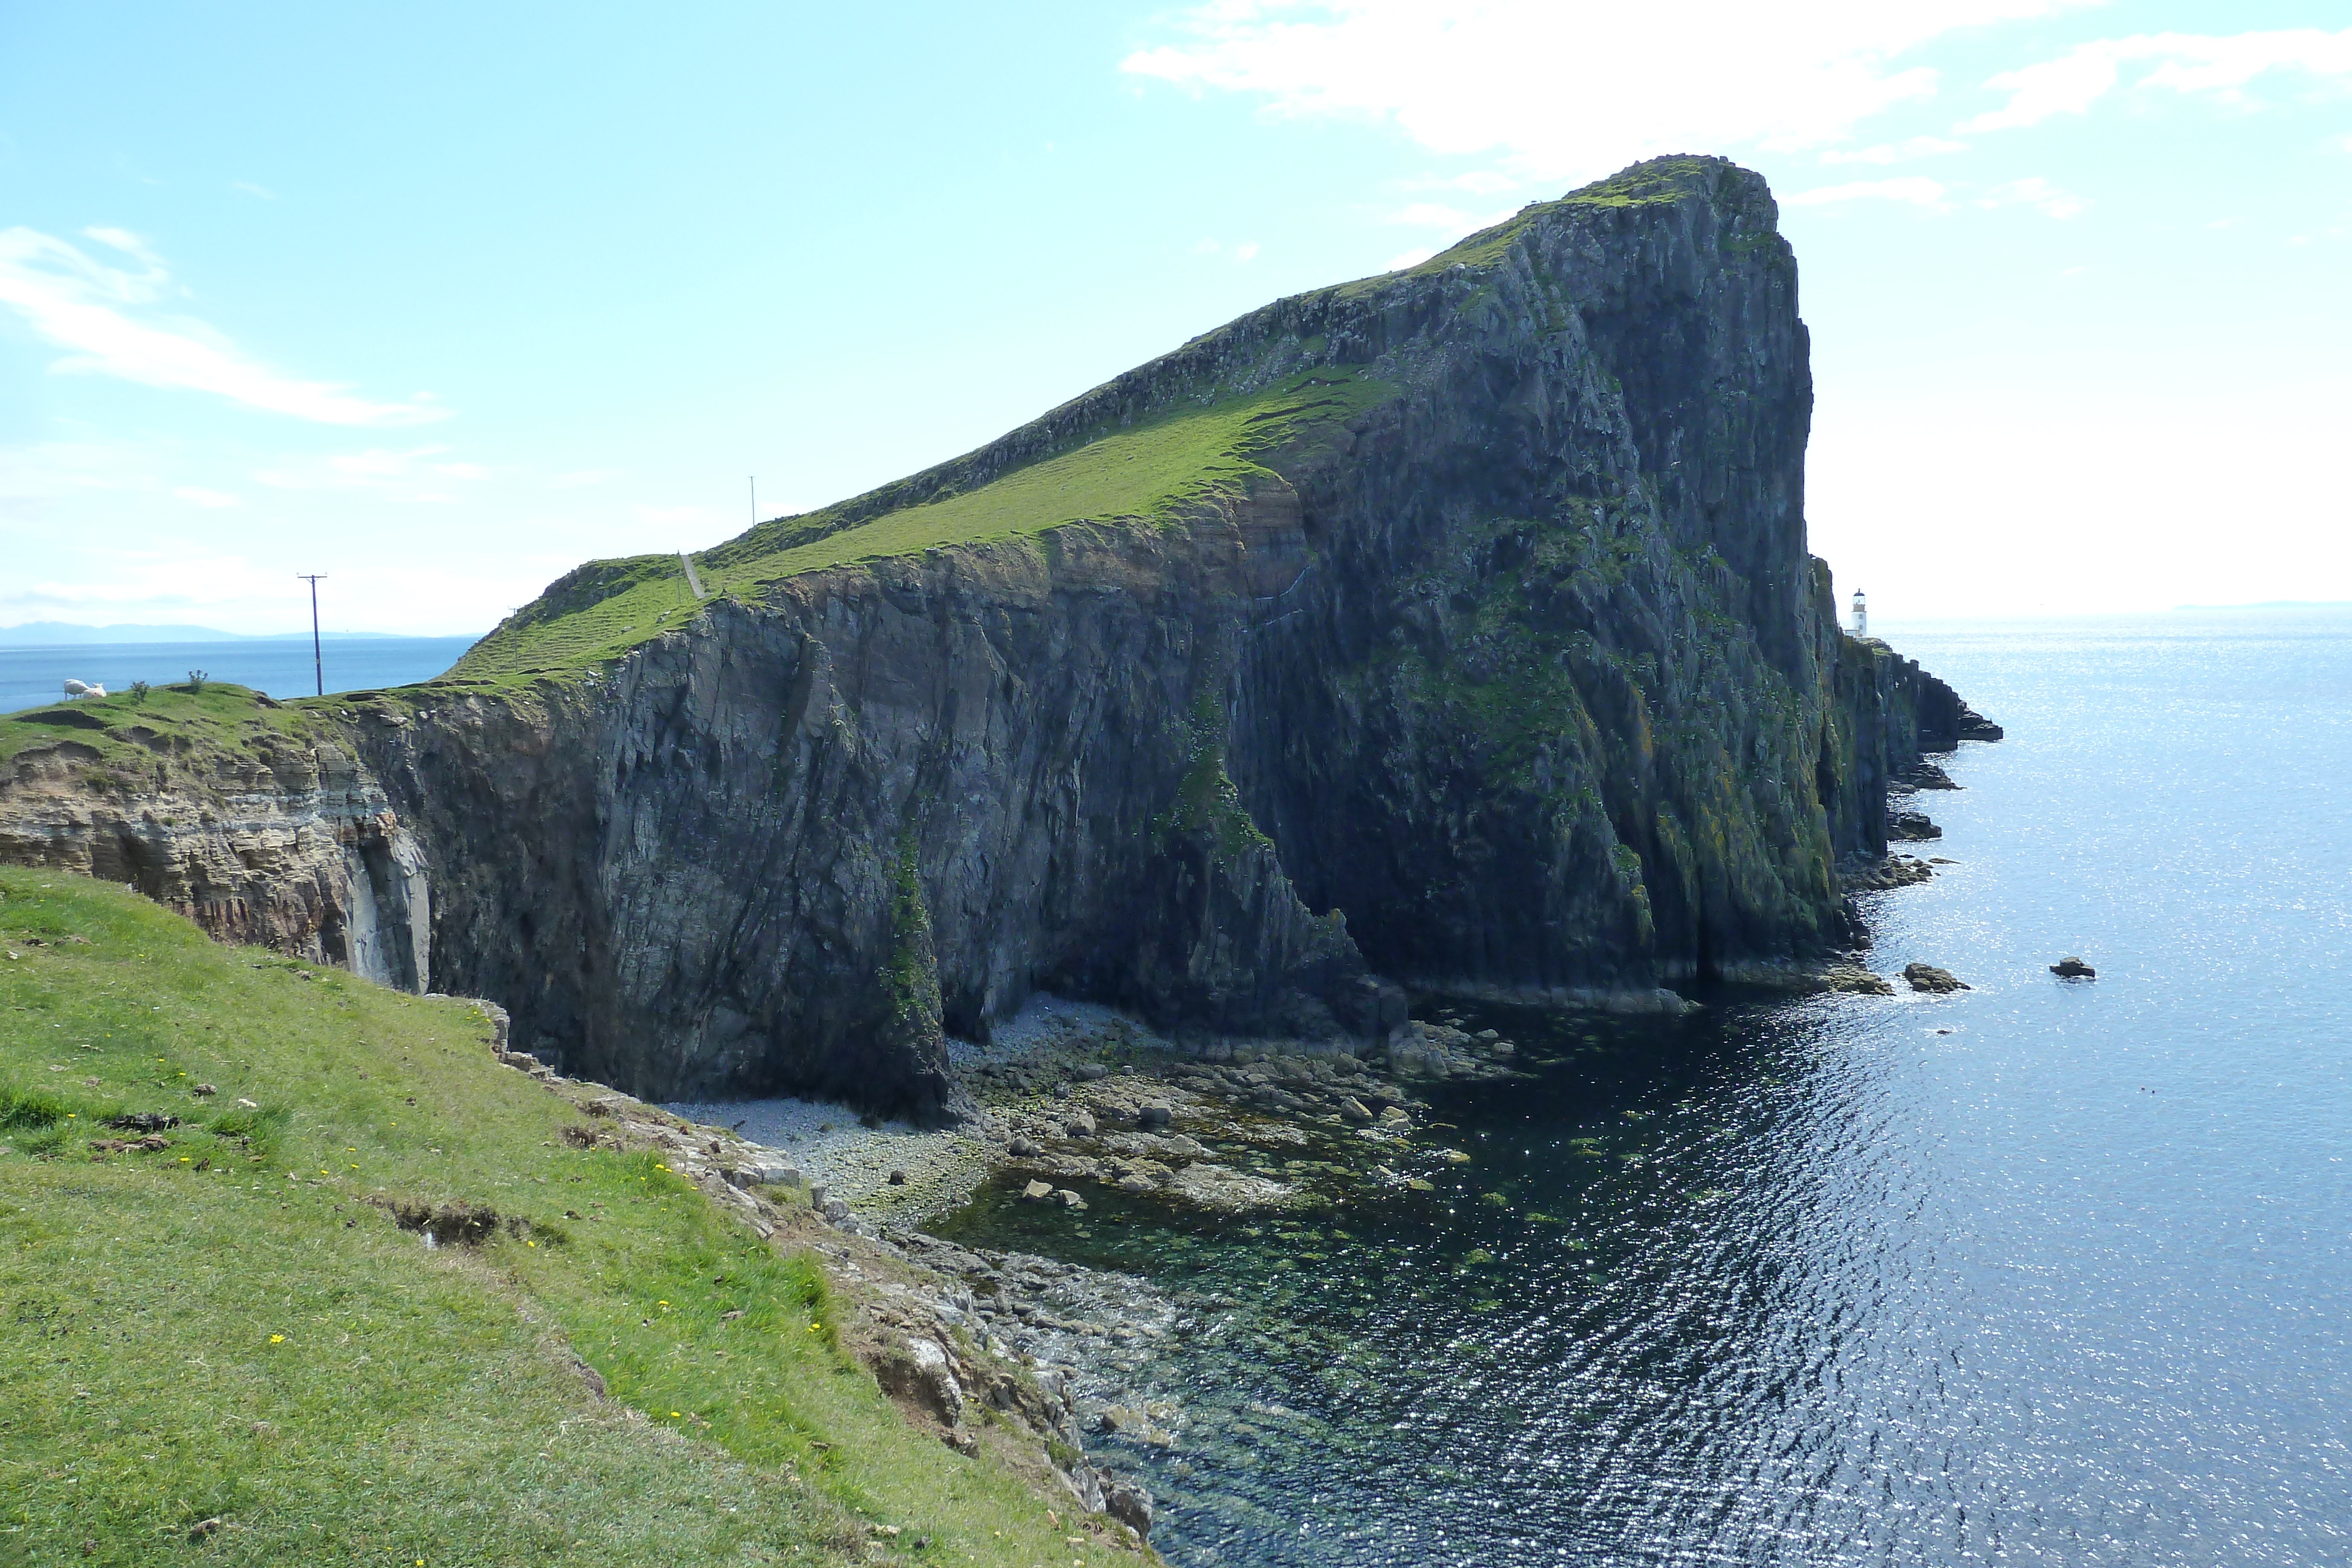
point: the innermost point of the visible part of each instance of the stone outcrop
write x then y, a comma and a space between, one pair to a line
1934, 980
1511, 677
281, 840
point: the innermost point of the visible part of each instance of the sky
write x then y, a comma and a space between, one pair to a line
440, 300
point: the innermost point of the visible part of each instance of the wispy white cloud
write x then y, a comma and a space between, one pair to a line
211, 501
1917, 190
172, 574
2038, 193
250, 189
400, 475
1895, 152
1409, 258
105, 316
1560, 87
1245, 251
580, 477
2220, 67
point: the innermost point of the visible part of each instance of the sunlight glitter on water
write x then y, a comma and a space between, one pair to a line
1811, 1282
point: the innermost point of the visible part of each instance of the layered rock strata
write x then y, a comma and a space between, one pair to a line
286, 842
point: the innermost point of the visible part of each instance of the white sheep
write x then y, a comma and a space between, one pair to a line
77, 689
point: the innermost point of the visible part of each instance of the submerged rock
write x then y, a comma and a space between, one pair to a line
1867, 875
1219, 1187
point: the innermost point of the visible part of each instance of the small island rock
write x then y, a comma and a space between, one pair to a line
1928, 977
2073, 968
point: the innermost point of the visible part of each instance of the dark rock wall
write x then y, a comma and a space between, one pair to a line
1521, 683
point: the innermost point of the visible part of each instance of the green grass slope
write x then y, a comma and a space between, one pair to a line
1148, 472
233, 1328
134, 735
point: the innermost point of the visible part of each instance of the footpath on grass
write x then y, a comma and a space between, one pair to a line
294, 1270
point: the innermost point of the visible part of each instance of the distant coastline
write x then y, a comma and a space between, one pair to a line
35, 674
66, 634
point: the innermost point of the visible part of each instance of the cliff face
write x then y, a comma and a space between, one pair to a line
272, 834
1476, 647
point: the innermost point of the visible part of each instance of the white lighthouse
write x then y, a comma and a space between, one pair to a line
1861, 614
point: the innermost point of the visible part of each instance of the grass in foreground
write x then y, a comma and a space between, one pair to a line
227, 1328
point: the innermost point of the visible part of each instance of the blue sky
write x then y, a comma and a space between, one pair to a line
441, 301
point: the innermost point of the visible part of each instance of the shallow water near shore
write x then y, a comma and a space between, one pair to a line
1813, 1281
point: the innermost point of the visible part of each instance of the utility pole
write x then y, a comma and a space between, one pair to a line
755, 500
317, 661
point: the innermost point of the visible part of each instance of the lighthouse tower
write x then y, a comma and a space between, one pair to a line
1861, 614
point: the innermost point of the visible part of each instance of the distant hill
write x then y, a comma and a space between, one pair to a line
64, 634
58, 634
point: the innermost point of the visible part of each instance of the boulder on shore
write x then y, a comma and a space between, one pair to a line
2073, 968
1928, 977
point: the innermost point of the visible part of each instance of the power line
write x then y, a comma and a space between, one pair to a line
318, 660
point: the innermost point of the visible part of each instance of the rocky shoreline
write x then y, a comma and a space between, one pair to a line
1071, 1100
968, 1338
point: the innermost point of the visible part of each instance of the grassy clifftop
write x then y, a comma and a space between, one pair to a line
1150, 472
134, 736
223, 1345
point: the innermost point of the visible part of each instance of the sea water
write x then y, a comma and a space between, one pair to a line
32, 677
2041, 1272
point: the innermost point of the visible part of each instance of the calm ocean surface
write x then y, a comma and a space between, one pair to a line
33, 676
1816, 1282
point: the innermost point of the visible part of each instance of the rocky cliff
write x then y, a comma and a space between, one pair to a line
1450, 629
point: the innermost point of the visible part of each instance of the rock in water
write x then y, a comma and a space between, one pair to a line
1294, 658
1974, 725
2074, 968
1859, 981
1928, 977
